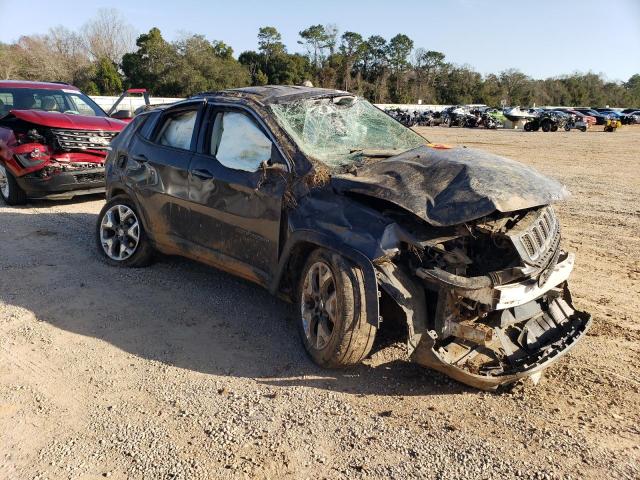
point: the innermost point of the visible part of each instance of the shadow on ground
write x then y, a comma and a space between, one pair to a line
178, 312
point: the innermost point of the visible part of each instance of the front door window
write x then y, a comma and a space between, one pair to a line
238, 143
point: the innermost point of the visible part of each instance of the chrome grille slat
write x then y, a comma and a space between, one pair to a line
528, 244
83, 139
537, 237
540, 239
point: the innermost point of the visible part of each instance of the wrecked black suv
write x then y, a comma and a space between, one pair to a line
327, 201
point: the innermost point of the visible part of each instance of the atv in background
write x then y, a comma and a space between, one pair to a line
548, 121
612, 123
575, 122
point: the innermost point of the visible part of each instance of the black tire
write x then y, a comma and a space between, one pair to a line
527, 127
12, 194
142, 254
554, 127
546, 125
351, 336
583, 129
567, 128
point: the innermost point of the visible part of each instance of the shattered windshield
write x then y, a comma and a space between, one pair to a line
340, 131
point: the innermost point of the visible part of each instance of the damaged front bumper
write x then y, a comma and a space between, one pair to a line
63, 185
491, 335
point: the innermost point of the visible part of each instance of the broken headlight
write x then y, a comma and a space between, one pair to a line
33, 158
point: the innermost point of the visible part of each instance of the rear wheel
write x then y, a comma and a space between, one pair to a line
10, 191
120, 235
546, 125
333, 321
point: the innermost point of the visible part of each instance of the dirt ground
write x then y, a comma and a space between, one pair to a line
178, 371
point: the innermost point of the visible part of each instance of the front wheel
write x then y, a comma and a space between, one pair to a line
10, 191
120, 235
333, 321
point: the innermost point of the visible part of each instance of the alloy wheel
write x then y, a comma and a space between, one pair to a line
119, 232
319, 305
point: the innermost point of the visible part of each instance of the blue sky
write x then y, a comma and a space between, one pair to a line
541, 37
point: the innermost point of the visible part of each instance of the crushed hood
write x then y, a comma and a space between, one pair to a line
451, 186
68, 121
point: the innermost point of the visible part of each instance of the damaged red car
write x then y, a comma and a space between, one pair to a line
57, 141
332, 204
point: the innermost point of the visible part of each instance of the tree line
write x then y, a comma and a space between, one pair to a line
105, 57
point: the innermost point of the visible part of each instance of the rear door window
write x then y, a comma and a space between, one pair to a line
50, 102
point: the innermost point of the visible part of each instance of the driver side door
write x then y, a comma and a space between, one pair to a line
236, 184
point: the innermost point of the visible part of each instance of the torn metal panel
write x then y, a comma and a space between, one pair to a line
409, 296
452, 186
488, 355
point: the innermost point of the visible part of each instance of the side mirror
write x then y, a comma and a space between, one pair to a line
122, 115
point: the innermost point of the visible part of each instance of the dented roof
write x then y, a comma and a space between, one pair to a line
271, 94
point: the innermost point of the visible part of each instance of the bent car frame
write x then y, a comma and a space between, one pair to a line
330, 203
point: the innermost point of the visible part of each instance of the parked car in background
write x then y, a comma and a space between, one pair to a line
632, 117
589, 120
329, 202
57, 141
608, 112
600, 117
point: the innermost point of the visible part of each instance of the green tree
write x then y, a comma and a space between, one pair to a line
462, 85
398, 51
254, 61
270, 42
516, 86
106, 77
151, 63
317, 40
633, 88
222, 50
351, 49
188, 66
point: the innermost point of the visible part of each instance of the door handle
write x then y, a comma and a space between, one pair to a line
202, 174
140, 158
